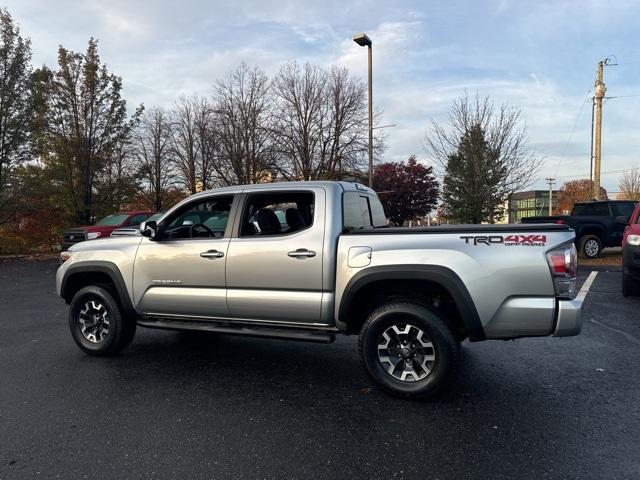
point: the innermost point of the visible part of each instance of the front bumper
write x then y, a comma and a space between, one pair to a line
569, 318
631, 260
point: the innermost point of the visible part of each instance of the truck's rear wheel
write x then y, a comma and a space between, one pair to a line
97, 323
590, 246
407, 350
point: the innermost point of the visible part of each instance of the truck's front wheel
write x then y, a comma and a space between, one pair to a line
407, 350
97, 324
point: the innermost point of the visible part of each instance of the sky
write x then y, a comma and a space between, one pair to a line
537, 56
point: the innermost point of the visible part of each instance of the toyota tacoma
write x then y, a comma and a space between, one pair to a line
311, 260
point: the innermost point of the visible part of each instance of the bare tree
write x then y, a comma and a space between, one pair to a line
206, 140
320, 126
116, 182
485, 157
185, 144
302, 111
630, 184
345, 138
243, 111
154, 155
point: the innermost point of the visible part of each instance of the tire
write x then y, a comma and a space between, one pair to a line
630, 286
106, 330
590, 246
421, 371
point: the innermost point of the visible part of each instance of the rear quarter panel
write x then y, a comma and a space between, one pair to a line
495, 275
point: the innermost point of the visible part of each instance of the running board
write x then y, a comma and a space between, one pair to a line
240, 329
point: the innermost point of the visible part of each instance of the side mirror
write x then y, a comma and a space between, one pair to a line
622, 220
148, 229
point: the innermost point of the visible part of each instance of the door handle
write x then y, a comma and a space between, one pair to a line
302, 253
212, 254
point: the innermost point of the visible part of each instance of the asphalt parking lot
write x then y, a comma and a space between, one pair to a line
183, 406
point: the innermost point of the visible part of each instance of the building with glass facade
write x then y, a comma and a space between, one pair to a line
532, 203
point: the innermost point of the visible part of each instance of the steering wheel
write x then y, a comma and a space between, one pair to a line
193, 227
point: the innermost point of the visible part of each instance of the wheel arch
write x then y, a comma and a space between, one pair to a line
417, 275
591, 229
101, 273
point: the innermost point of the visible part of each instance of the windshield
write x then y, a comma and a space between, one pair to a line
155, 217
113, 220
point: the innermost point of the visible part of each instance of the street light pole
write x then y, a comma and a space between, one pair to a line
364, 41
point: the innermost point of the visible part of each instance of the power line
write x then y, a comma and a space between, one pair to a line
623, 96
575, 124
576, 175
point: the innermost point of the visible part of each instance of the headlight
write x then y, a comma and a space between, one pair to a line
633, 239
64, 256
92, 235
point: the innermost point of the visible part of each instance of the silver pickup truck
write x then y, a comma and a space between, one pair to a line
309, 260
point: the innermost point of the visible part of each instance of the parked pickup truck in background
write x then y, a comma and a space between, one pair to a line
104, 227
631, 255
598, 224
225, 261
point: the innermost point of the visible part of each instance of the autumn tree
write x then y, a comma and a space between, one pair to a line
153, 150
243, 111
15, 106
86, 120
407, 190
576, 191
630, 184
484, 156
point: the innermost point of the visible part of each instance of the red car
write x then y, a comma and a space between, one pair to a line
631, 255
104, 227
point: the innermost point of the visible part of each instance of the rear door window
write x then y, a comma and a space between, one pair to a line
279, 213
582, 210
601, 210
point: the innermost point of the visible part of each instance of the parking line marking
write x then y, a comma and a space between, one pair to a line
586, 286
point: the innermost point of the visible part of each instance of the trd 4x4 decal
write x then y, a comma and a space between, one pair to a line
533, 240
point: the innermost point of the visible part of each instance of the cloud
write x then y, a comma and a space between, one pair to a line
539, 57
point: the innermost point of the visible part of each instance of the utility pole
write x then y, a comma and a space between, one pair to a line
550, 181
597, 134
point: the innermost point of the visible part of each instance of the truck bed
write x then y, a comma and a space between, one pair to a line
482, 228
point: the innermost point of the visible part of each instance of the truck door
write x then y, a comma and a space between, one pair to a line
274, 264
182, 270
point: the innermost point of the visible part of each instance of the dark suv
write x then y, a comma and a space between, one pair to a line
598, 224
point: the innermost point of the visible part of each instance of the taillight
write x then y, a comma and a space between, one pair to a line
563, 263
560, 222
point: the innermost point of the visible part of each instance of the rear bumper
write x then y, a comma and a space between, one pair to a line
569, 318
